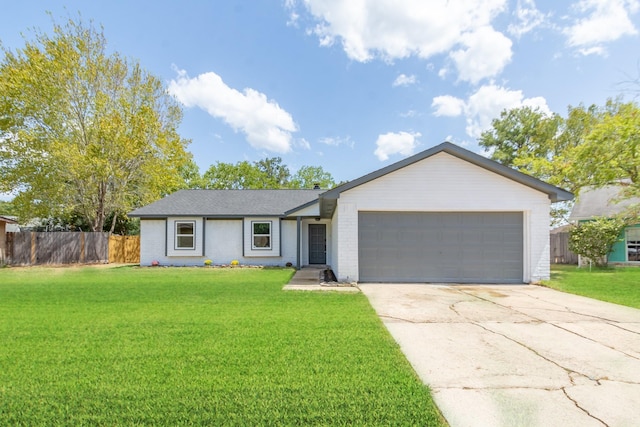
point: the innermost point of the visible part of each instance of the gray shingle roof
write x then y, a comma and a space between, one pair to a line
227, 203
605, 201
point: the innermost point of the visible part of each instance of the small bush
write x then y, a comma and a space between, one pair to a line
235, 262
208, 262
594, 239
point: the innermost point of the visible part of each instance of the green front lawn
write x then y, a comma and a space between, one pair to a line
194, 346
619, 285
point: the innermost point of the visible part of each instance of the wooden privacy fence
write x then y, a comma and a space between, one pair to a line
560, 253
35, 248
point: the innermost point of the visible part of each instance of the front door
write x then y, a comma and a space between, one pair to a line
317, 244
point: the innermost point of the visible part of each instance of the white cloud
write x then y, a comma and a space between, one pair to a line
388, 30
336, 141
395, 143
409, 114
485, 105
303, 143
404, 80
528, 17
266, 125
486, 52
606, 21
447, 105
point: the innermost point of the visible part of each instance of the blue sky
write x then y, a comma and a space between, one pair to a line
355, 85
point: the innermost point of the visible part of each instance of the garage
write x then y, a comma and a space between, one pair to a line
440, 247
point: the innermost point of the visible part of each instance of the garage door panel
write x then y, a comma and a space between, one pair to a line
459, 247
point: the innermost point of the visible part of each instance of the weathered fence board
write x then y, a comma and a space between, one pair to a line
96, 247
36, 248
560, 253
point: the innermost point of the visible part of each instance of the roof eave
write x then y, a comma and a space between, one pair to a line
555, 194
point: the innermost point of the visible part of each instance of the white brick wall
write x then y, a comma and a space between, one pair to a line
444, 183
222, 244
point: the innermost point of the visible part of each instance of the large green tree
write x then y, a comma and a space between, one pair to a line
310, 176
521, 133
84, 131
593, 145
269, 173
229, 176
610, 152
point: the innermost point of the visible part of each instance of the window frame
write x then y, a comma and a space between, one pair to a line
254, 235
177, 236
632, 242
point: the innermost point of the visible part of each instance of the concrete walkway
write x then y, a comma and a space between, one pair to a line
517, 355
312, 279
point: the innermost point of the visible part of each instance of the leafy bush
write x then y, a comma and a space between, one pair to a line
235, 262
594, 239
208, 262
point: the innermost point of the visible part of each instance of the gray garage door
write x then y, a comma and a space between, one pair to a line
446, 247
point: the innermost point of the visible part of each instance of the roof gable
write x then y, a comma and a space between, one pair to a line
328, 199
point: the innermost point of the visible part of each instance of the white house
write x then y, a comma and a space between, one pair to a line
443, 215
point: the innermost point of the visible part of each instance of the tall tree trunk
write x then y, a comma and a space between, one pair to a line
113, 222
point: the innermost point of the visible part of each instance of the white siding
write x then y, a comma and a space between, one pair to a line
444, 183
152, 241
312, 210
222, 243
224, 240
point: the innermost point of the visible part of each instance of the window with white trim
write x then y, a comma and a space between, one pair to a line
260, 234
633, 244
185, 235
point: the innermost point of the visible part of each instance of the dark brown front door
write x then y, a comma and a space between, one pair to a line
317, 244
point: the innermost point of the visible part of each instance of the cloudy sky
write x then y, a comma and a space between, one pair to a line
355, 85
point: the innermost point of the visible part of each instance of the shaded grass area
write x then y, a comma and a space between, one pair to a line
620, 285
145, 346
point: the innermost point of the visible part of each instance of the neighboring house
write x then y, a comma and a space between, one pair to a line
4, 224
607, 202
443, 215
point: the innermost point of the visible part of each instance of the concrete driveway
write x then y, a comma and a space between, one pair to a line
517, 355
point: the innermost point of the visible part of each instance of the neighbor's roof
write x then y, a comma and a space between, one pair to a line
605, 201
227, 203
556, 194
7, 220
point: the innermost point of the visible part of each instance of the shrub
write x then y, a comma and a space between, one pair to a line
155, 263
235, 262
208, 262
594, 239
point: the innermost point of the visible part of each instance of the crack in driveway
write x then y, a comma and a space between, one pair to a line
575, 402
513, 361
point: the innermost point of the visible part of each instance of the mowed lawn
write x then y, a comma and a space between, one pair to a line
194, 346
620, 285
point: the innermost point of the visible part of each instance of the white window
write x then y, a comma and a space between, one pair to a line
185, 235
261, 235
633, 244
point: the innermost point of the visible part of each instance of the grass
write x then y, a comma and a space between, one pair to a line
619, 285
147, 346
